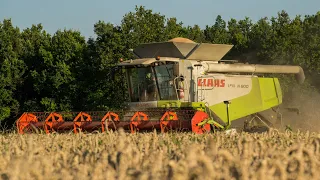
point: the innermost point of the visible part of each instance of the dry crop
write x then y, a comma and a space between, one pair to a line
120, 155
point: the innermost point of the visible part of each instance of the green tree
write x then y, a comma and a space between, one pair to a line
261, 41
143, 26
53, 67
240, 32
11, 68
174, 29
194, 33
36, 55
104, 84
217, 33
310, 44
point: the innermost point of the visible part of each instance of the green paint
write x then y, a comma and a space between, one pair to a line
212, 122
265, 94
178, 104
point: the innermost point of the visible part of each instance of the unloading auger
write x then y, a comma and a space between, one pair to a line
179, 85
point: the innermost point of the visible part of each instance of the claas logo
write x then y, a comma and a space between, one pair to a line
210, 82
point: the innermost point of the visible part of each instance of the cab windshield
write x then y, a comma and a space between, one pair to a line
151, 83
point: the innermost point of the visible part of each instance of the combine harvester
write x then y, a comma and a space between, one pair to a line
181, 85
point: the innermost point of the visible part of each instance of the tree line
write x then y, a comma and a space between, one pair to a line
65, 72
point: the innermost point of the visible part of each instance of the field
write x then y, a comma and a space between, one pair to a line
120, 155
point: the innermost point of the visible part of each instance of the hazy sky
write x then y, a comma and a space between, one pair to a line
83, 14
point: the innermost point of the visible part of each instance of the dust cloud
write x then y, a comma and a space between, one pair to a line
301, 110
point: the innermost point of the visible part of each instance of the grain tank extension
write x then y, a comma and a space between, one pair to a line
181, 85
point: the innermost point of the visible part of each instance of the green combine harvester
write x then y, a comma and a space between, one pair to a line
183, 86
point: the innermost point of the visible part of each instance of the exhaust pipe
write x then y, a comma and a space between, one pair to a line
256, 68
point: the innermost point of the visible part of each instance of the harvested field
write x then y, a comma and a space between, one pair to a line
119, 155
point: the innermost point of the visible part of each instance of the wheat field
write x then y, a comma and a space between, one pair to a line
121, 155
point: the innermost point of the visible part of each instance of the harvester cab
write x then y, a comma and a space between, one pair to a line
181, 85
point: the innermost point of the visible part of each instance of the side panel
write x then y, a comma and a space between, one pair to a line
217, 88
265, 94
279, 91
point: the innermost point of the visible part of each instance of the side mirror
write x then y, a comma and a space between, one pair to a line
227, 102
181, 78
176, 70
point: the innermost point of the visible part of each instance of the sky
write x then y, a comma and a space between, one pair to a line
83, 14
